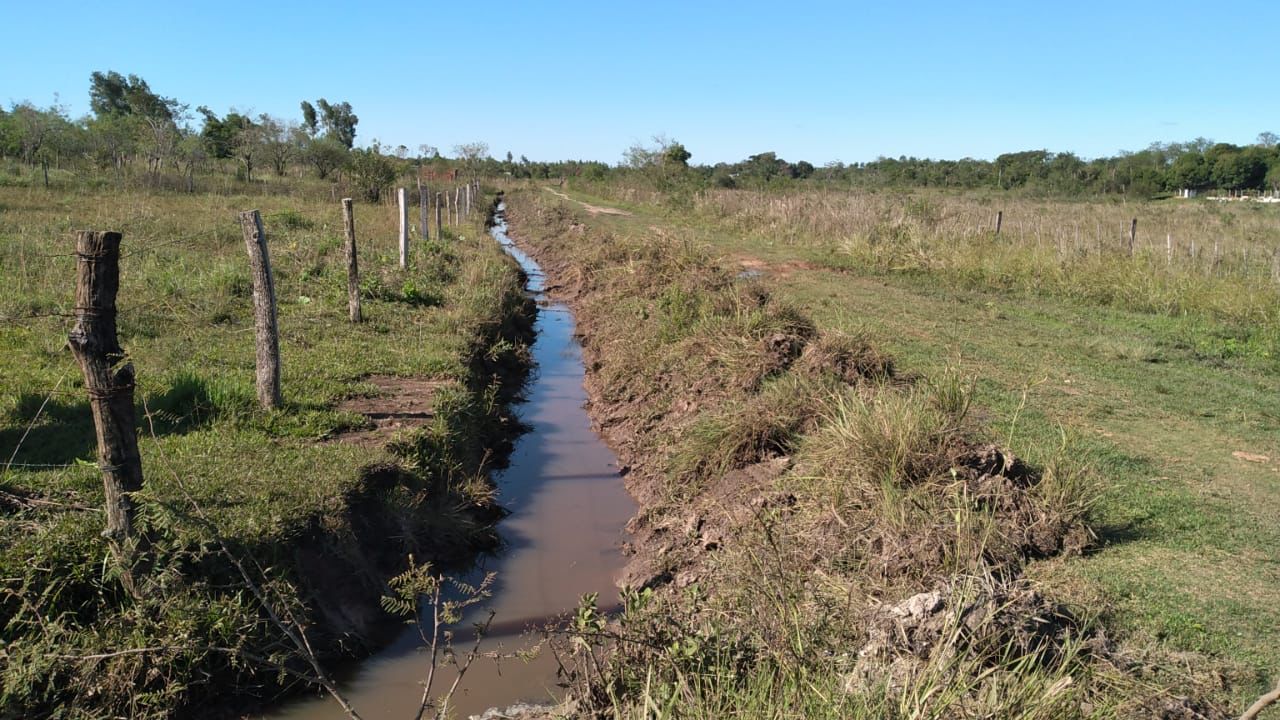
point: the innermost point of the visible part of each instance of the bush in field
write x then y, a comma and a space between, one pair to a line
371, 171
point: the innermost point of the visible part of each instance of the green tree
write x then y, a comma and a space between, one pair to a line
1189, 171
325, 155
1239, 168
471, 155
675, 154
371, 171
339, 121
279, 141
309, 120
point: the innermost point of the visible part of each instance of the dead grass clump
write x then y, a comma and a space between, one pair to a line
912, 500
743, 432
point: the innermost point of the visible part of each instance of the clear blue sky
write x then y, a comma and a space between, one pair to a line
817, 80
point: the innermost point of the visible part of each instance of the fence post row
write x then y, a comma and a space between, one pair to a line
264, 310
109, 380
353, 269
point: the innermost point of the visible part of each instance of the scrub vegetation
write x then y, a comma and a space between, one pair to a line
892, 465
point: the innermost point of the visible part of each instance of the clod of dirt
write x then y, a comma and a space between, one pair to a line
999, 481
850, 359
998, 625
782, 348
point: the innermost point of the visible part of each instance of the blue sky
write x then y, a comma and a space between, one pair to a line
818, 81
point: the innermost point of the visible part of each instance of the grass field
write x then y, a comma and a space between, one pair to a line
275, 487
1160, 377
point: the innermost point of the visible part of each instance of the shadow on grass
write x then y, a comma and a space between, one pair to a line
64, 432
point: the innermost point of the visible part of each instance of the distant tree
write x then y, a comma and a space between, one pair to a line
114, 94
234, 135
191, 152
471, 154
675, 154
111, 140
1272, 179
248, 144
219, 133
1268, 139
1189, 171
339, 121
802, 169
325, 155
1240, 169
279, 141
371, 171
309, 120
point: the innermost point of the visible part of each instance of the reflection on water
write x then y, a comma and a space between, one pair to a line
568, 507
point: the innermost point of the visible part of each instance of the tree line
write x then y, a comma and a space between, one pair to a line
133, 130
1161, 168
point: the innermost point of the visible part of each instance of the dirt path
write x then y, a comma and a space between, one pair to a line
593, 209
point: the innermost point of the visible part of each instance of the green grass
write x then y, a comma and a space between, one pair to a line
267, 483
1154, 397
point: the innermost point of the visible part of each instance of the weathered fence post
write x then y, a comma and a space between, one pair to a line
422, 211
403, 202
353, 267
439, 225
999, 220
1168, 249
109, 380
264, 310
457, 205
1133, 235
468, 201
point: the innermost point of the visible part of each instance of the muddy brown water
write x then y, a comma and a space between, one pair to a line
568, 510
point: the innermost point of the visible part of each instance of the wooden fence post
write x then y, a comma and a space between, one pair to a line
264, 310
353, 267
999, 220
109, 379
468, 201
422, 212
1133, 235
1168, 248
439, 231
457, 205
402, 201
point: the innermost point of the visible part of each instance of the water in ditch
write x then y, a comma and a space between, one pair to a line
568, 509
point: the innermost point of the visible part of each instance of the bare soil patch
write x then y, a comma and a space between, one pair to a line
402, 403
756, 266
